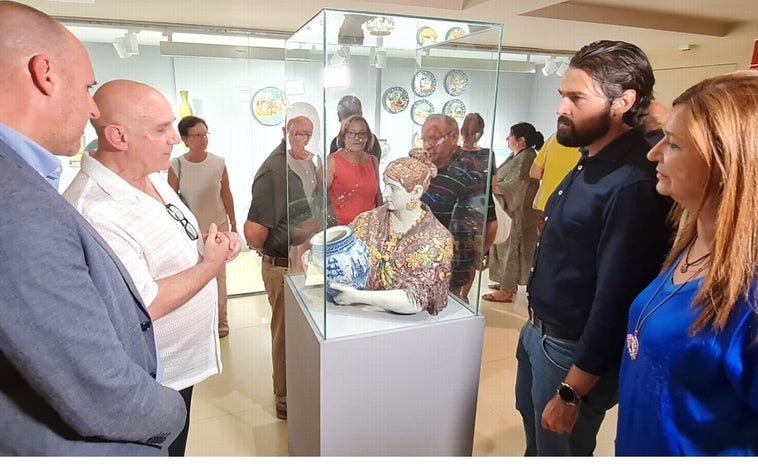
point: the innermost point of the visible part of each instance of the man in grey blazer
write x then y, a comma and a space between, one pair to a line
77, 353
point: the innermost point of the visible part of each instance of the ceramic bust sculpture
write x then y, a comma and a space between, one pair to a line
410, 250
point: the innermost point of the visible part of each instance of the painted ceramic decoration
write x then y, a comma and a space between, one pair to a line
341, 257
395, 99
455, 109
385, 148
455, 33
420, 110
269, 105
426, 36
455, 82
380, 26
424, 83
417, 141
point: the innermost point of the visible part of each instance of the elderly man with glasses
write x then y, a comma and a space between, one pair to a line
120, 191
285, 198
455, 195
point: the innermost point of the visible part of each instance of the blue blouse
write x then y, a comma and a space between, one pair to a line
688, 395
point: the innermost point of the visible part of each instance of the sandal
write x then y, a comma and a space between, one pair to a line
494, 286
506, 299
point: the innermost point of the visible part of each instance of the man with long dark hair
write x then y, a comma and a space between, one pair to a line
604, 239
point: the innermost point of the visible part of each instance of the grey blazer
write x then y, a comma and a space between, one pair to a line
77, 351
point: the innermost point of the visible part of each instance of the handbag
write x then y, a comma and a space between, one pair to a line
503, 223
179, 183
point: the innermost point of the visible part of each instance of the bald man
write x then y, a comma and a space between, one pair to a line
77, 352
120, 191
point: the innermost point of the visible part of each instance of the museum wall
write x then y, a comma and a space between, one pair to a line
220, 91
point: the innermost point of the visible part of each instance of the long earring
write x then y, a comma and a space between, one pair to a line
413, 205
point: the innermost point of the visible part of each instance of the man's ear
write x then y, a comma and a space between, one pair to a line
41, 71
623, 102
115, 137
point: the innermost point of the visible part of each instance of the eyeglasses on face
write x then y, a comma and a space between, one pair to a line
205, 135
177, 215
301, 135
435, 141
358, 135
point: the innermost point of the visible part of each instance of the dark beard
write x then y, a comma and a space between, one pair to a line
590, 132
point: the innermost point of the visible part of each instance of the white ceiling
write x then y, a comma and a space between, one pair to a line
654, 25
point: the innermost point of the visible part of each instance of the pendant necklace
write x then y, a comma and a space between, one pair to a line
632, 340
687, 264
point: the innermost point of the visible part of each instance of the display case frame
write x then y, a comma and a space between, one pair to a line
376, 56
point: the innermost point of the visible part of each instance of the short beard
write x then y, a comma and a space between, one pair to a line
593, 130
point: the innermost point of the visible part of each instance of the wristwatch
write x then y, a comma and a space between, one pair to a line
568, 395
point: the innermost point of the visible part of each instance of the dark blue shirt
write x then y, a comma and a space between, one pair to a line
604, 239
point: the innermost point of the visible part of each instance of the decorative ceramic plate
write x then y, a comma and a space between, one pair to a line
417, 141
269, 105
455, 109
380, 25
455, 82
426, 36
420, 110
385, 148
424, 83
395, 99
455, 33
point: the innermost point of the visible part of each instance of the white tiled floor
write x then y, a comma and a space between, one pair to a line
233, 413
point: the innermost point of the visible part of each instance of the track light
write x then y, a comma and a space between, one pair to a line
562, 69
551, 66
126, 45
341, 56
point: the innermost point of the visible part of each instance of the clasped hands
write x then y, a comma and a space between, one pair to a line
220, 246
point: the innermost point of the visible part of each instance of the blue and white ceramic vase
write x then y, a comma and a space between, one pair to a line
346, 257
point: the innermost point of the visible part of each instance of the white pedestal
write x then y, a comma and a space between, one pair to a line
399, 386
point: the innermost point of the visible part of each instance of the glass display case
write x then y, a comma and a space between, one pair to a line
402, 69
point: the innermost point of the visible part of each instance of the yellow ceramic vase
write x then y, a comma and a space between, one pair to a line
184, 107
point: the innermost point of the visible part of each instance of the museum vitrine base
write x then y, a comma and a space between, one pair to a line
405, 386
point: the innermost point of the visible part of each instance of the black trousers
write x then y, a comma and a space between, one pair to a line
180, 444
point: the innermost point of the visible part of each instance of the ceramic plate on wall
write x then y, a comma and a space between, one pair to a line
385, 145
269, 106
420, 110
455, 33
455, 109
395, 99
455, 82
426, 36
424, 83
417, 141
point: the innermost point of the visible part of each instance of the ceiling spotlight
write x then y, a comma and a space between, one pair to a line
551, 66
562, 69
127, 45
341, 56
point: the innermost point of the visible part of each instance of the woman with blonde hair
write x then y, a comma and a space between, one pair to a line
688, 378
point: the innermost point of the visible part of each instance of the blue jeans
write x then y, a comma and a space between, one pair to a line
543, 363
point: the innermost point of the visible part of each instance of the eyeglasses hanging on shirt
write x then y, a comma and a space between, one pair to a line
177, 215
